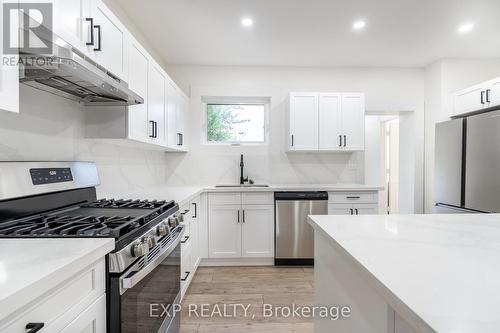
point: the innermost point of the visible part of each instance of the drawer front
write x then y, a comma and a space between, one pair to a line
257, 198
62, 305
340, 209
352, 197
92, 320
186, 266
218, 199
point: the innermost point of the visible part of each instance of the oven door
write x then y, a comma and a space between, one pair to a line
150, 290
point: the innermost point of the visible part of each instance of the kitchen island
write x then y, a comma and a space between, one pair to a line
408, 273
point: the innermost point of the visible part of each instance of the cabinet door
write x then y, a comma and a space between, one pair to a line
224, 231
330, 122
304, 121
171, 119
109, 37
73, 22
367, 209
494, 93
353, 122
181, 121
257, 231
468, 100
138, 82
9, 72
195, 230
91, 320
340, 209
156, 105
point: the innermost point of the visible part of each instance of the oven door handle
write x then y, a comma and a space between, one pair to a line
130, 278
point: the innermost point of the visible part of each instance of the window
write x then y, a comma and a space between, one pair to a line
235, 123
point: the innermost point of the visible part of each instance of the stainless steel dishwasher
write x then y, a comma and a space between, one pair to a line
294, 237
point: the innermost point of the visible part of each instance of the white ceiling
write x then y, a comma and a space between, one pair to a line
402, 33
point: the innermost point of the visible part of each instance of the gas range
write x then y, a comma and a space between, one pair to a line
58, 200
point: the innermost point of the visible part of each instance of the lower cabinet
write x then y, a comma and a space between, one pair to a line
78, 305
353, 203
245, 229
190, 249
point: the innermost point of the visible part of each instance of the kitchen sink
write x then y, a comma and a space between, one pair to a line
243, 185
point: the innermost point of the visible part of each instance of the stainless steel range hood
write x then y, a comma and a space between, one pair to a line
68, 73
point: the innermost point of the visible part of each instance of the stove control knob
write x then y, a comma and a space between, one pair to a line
150, 241
173, 222
162, 230
140, 249
180, 218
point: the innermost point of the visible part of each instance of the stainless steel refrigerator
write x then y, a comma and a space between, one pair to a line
467, 165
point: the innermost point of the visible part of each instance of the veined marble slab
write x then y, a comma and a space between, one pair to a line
439, 271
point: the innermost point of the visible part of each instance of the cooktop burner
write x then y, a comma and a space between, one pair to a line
103, 218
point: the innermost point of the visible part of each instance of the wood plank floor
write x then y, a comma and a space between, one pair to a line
252, 287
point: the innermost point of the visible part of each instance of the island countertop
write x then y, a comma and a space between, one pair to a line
443, 269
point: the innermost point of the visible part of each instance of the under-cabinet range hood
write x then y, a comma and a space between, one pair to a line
68, 73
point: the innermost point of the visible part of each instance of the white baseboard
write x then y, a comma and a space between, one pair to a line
206, 262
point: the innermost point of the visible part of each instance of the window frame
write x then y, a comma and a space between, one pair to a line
264, 101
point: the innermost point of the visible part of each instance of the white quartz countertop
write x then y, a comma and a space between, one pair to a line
183, 194
443, 269
31, 267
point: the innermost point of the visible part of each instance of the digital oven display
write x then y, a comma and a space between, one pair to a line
51, 175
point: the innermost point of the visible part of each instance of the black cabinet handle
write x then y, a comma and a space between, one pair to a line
293, 140
34, 327
186, 277
243, 216
482, 97
352, 212
195, 210
156, 129
185, 212
345, 140
184, 241
91, 20
356, 197
340, 140
238, 216
99, 38
488, 100
152, 135
179, 139
356, 211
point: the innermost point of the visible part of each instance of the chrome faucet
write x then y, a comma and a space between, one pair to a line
243, 179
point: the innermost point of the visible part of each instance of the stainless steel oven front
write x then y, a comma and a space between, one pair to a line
144, 297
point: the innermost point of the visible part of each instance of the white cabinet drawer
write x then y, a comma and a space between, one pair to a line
231, 198
352, 197
60, 306
92, 320
257, 198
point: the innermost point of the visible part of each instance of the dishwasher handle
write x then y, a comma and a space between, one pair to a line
301, 196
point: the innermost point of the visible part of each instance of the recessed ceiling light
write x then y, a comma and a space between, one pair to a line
247, 22
359, 25
465, 28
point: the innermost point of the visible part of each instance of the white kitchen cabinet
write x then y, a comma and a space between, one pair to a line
77, 305
241, 225
353, 203
225, 231
176, 108
326, 122
354, 209
195, 214
156, 105
303, 121
110, 39
353, 122
73, 22
493, 93
330, 121
470, 99
257, 232
138, 82
9, 72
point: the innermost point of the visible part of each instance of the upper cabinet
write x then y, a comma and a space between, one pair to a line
138, 82
156, 106
477, 98
326, 122
9, 72
109, 39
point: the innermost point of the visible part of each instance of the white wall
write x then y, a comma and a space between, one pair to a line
51, 128
386, 89
441, 79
